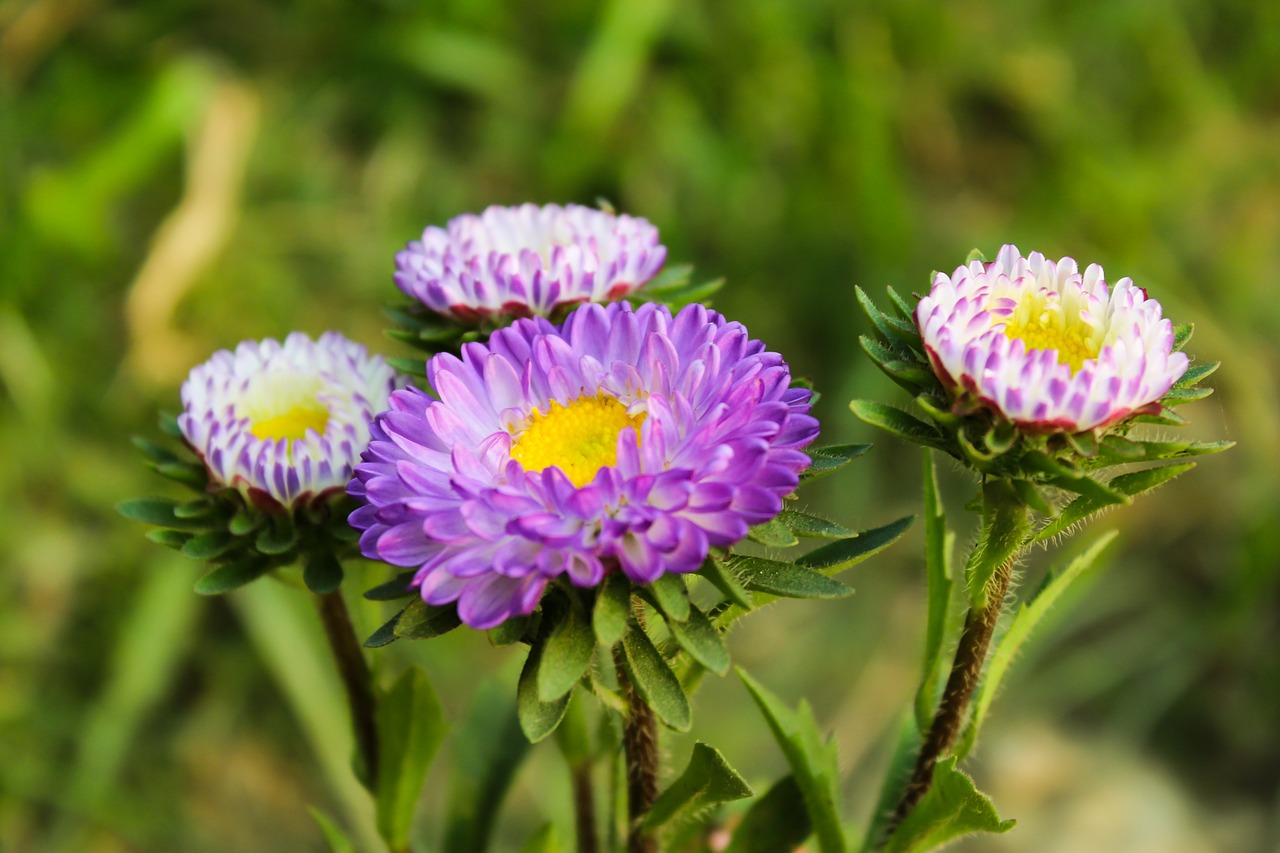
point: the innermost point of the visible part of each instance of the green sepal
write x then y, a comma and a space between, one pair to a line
411, 726
672, 278
333, 835
975, 255
169, 537
321, 572
773, 533
889, 330
698, 636
280, 537
952, 808
411, 366
811, 758
1197, 373
153, 451
786, 580
190, 474
1032, 497
707, 781
512, 631
776, 821
671, 596
396, 588
1182, 334
1068, 478
653, 679
722, 578
243, 522
826, 460
168, 424
566, 655
209, 546
537, 718
1159, 451
422, 621
1005, 527
611, 610
679, 298
229, 576
940, 411
1130, 485
844, 553
199, 509
900, 305
1182, 396
1165, 417
813, 527
159, 512
897, 422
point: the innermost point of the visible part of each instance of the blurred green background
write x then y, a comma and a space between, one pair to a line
177, 176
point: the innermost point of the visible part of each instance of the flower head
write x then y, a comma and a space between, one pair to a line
528, 260
1045, 346
284, 421
625, 440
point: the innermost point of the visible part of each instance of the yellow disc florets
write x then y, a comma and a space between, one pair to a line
579, 439
1042, 321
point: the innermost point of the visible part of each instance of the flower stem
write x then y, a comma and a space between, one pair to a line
355, 678
979, 625
640, 743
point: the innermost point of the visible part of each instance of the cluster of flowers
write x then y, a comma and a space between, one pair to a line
618, 438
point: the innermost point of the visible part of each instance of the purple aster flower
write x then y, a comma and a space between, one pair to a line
625, 440
1047, 347
284, 423
528, 260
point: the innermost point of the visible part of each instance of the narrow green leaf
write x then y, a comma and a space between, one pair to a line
827, 460
787, 580
1083, 443
1032, 497
613, 606
168, 424
873, 314
1005, 527
678, 298
707, 781
1165, 417
486, 751
566, 656
951, 809
654, 680
812, 760
333, 835
777, 821
1130, 485
1197, 373
157, 511
937, 545
228, 576
511, 631
321, 572
673, 277
975, 255
397, 587
1120, 448
1182, 396
905, 311
699, 637
197, 509
1182, 334
909, 374
411, 366
411, 726
1028, 616
276, 539
880, 352
537, 718
385, 635
422, 621
714, 570
845, 553
543, 841
897, 422
813, 527
153, 451
243, 523
894, 782
773, 533
672, 596
207, 546
187, 473
1067, 478
169, 538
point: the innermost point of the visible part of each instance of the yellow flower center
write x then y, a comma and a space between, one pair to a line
1042, 322
579, 439
293, 423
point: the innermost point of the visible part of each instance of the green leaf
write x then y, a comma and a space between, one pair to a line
672, 596
678, 298
336, 838
654, 680
228, 576
811, 758
813, 527
786, 580
1028, 616
905, 311
321, 572
169, 538
1118, 450
707, 781
411, 726
207, 546
714, 570
422, 621
877, 319
937, 547
1005, 527
515, 629
243, 523
1197, 373
1067, 478
1131, 484
1032, 497
487, 749
537, 718
1182, 334
157, 511
951, 809
567, 655
894, 782
188, 473
773, 533
397, 587
276, 539
897, 422
613, 606
845, 553
777, 821
543, 841
975, 255
411, 366
385, 635
197, 509
1182, 396
672, 277
699, 637
153, 451
168, 424
826, 460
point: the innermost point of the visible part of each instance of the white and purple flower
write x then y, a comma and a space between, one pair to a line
528, 261
627, 440
284, 423
1047, 347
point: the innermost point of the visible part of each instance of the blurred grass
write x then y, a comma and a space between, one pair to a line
177, 177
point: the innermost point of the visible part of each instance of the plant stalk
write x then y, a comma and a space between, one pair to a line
640, 744
355, 678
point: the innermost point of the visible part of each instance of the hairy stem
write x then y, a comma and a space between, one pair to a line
355, 678
584, 807
640, 744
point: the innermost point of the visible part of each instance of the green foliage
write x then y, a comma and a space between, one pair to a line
612, 609
788, 580
707, 781
952, 809
776, 821
566, 656
1005, 527
538, 718
654, 680
938, 543
411, 726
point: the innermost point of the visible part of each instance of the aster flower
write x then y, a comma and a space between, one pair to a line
1046, 346
627, 440
528, 261
283, 423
